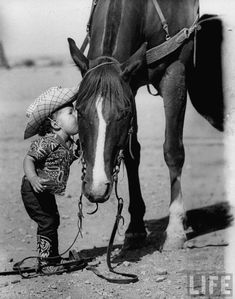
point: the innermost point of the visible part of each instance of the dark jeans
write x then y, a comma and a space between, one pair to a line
42, 208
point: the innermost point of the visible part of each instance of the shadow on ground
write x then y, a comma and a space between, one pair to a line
199, 222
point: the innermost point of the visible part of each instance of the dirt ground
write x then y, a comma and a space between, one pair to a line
203, 185
161, 274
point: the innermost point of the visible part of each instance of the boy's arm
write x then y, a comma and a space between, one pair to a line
29, 170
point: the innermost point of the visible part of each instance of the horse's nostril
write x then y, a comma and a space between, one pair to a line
107, 192
108, 183
97, 193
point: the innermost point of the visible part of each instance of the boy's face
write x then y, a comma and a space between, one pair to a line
66, 118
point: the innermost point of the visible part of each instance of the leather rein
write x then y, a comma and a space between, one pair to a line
130, 278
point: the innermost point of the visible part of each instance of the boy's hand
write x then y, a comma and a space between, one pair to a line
37, 183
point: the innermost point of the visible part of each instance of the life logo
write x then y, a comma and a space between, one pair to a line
210, 284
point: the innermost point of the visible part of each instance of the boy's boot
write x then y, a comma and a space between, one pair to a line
47, 250
54, 249
44, 248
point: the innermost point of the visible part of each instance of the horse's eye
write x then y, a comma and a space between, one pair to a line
123, 115
126, 114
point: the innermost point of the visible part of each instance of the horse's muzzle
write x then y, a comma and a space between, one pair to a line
98, 194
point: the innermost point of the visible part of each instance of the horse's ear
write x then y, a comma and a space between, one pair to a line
131, 66
80, 60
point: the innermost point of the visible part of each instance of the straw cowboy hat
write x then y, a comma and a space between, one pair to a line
45, 105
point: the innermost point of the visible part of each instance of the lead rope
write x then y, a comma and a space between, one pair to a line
131, 278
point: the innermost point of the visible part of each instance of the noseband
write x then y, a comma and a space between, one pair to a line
119, 157
118, 161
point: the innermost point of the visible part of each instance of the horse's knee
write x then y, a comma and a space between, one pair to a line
174, 156
173, 84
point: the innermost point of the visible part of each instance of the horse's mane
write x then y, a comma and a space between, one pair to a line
104, 81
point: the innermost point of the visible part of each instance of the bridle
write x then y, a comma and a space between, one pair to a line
130, 278
116, 169
120, 155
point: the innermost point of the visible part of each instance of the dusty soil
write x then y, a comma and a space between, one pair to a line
203, 190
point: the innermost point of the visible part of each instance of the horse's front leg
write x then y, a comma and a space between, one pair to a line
136, 232
173, 91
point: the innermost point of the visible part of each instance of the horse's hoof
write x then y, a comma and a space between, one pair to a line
134, 241
175, 243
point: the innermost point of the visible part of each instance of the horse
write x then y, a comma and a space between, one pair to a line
122, 33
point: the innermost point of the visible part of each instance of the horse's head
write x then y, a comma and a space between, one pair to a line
106, 108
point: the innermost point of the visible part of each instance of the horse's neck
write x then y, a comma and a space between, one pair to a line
117, 29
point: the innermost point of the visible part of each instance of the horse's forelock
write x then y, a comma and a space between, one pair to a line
106, 82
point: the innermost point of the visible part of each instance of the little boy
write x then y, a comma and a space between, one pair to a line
47, 163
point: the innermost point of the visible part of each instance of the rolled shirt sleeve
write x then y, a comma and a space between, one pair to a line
40, 149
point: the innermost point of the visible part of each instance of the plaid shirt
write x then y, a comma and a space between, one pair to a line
52, 161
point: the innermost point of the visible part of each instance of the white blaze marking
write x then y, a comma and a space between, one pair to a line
98, 170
